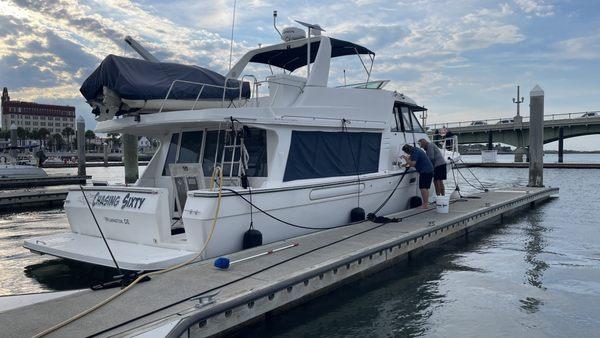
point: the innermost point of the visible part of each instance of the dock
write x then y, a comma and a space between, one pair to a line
167, 305
90, 164
28, 182
13, 200
526, 165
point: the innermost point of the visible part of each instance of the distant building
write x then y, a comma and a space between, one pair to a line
33, 116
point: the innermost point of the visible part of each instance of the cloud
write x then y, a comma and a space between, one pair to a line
432, 50
579, 48
536, 7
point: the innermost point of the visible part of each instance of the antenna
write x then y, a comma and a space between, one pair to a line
310, 27
275, 23
144, 53
232, 26
517, 101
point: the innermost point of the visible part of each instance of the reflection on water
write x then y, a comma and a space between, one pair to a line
60, 274
534, 245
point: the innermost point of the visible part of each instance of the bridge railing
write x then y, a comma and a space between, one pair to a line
509, 120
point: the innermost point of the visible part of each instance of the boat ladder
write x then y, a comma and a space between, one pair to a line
234, 158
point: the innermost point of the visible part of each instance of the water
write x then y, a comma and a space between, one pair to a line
537, 274
548, 158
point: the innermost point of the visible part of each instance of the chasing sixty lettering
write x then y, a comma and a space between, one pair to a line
114, 201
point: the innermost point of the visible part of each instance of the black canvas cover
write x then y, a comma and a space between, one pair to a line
137, 79
294, 58
317, 154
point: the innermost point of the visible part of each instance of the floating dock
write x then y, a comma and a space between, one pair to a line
168, 305
28, 182
13, 200
526, 165
90, 164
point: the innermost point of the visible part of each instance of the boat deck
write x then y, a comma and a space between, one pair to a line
248, 290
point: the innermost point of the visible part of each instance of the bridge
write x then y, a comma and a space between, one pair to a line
515, 131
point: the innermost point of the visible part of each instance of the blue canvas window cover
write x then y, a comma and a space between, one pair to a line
318, 154
137, 79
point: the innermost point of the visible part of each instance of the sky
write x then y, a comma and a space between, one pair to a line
460, 59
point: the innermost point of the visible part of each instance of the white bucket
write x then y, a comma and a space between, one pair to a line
442, 204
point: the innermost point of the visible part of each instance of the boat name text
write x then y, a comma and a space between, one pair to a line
115, 200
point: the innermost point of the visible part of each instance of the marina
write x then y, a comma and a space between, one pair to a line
150, 188
265, 284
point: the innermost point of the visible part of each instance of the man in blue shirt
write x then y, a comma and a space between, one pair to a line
418, 159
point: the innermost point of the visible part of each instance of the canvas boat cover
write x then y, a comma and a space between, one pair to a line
137, 79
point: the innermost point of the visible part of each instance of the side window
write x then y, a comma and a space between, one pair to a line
256, 145
171, 154
191, 141
406, 122
398, 125
415, 123
214, 138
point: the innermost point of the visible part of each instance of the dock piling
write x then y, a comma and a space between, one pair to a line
536, 137
561, 137
130, 158
13, 143
80, 146
105, 149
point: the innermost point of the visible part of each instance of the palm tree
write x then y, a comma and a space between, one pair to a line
67, 133
57, 141
21, 134
42, 134
89, 135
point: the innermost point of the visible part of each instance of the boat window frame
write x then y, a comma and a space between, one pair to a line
180, 144
396, 113
217, 156
414, 119
165, 171
405, 118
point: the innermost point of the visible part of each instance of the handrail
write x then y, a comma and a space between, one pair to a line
242, 87
448, 144
224, 87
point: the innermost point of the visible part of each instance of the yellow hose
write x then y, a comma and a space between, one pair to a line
149, 274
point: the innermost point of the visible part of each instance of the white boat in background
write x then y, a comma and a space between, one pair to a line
24, 165
305, 153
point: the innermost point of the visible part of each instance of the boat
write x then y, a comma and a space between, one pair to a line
303, 157
122, 85
20, 165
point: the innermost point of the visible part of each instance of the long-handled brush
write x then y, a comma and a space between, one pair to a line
224, 263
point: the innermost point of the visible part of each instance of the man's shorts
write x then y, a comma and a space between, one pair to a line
425, 180
439, 173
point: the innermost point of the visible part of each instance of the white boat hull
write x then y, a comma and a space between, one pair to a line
141, 243
21, 171
317, 206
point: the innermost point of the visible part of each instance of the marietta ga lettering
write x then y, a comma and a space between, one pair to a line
114, 201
